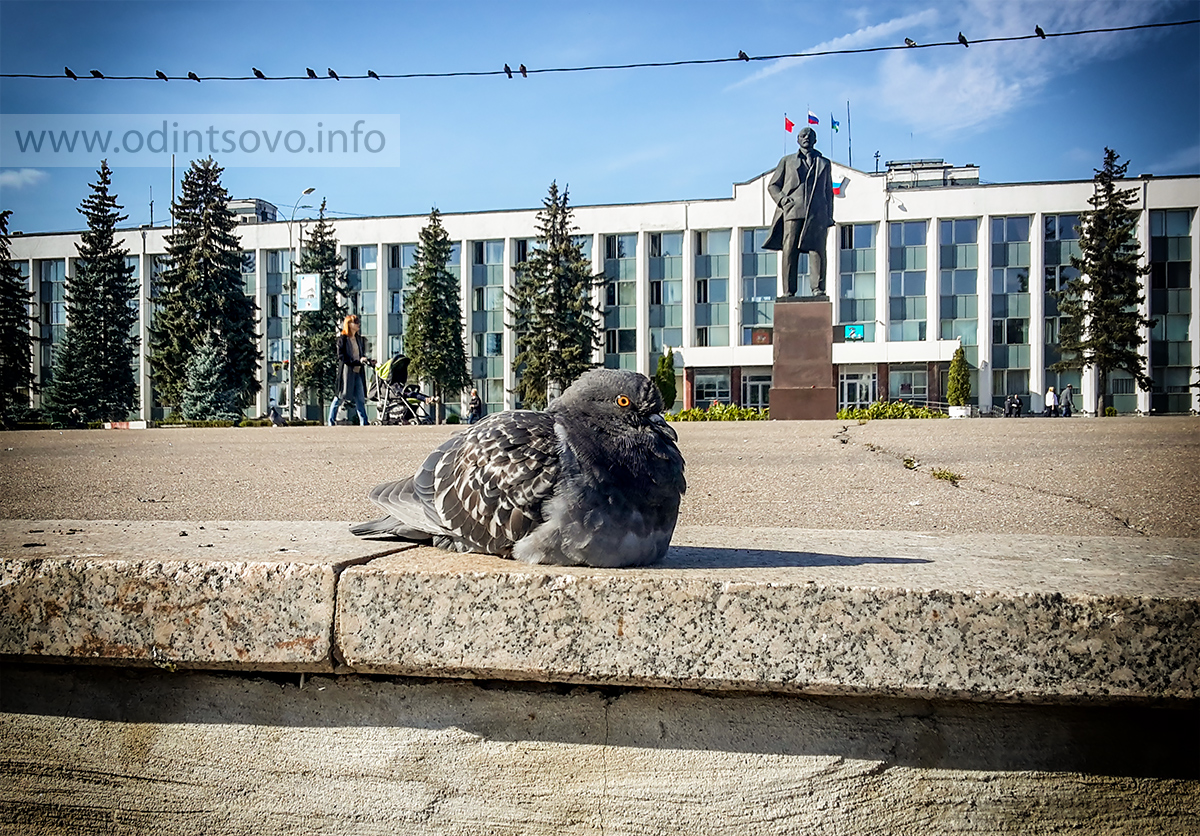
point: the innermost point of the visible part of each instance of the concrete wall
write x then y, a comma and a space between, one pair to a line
116, 751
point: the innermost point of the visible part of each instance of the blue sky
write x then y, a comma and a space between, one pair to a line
1023, 111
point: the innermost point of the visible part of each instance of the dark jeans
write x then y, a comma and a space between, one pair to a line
357, 395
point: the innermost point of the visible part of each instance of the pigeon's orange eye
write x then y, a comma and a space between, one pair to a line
622, 401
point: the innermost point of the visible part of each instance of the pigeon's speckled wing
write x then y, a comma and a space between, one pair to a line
483, 489
489, 494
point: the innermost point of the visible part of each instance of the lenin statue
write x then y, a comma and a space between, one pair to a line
802, 188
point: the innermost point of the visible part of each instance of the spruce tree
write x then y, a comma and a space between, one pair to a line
16, 340
207, 395
1102, 326
433, 337
664, 378
315, 339
201, 294
552, 314
93, 370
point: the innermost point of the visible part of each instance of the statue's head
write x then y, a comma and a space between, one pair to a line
806, 139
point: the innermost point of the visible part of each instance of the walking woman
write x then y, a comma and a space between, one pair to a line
352, 375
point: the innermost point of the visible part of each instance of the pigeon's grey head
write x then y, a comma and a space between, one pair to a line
613, 394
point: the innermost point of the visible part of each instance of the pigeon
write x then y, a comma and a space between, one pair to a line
193, 76
524, 72
67, 72
1039, 31
962, 39
909, 42
311, 72
257, 72
97, 74
332, 74
742, 55
161, 74
373, 74
595, 480
508, 70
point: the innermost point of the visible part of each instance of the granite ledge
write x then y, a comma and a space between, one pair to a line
910, 614
1027, 619
217, 595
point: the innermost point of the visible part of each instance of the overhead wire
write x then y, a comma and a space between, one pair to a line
741, 57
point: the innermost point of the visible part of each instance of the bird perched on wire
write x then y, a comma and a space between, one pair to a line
962, 39
595, 480
909, 42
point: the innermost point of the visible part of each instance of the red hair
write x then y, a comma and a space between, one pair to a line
346, 323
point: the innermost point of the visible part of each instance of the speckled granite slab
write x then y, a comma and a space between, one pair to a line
213, 595
1015, 619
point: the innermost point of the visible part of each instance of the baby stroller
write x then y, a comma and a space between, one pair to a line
400, 402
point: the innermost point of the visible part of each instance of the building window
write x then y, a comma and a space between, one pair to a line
666, 293
712, 385
1010, 304
908, 383
620, 301
487, 322
1171, 305
1060, 242
711, 270
906, 281
958, 302
856, 278
760, 286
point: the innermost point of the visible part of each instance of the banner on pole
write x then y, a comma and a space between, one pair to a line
308, 291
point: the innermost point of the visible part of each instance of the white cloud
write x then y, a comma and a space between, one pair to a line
949, 90
879, 34
946, 90
1182, 161
19, 178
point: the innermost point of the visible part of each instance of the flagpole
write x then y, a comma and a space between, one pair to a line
849, 140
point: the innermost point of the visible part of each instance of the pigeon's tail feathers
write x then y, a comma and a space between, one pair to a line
382, 527
400, 501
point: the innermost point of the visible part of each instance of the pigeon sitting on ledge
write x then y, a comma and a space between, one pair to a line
595, 480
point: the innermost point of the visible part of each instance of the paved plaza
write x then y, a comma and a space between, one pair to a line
1079, 476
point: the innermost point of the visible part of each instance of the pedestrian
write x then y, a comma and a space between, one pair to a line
1051, 404
1068, 400
352, 373
474, 407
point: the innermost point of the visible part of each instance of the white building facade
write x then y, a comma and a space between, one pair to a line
922, 258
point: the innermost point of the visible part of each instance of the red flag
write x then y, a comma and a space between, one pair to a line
788, 124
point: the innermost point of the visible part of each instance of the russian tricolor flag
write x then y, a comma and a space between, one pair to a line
812, 119
839, 189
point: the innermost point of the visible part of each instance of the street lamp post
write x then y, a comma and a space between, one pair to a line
293, 258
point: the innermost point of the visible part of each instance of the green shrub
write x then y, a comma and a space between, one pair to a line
720, 412
453, 419
888, 409
1110, 412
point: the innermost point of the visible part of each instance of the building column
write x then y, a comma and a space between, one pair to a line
1037, 310
983, 298
689, 387
642, 300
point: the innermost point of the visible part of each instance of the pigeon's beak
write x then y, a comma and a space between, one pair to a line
660, 426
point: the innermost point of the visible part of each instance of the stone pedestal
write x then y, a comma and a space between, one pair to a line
803, 387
